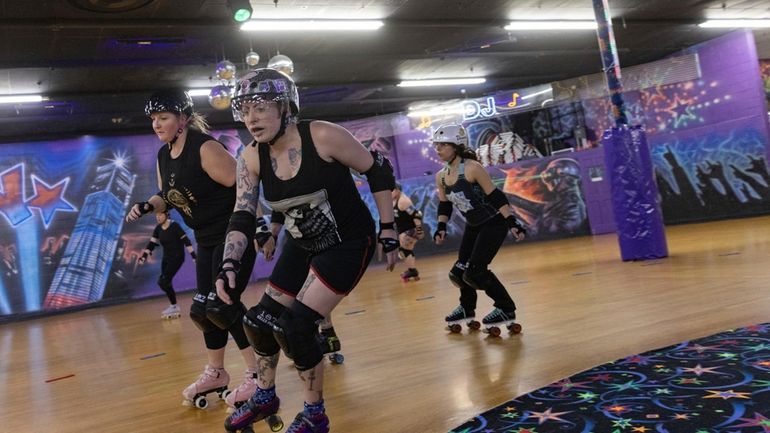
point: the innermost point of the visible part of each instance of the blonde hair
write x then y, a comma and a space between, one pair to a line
198, 122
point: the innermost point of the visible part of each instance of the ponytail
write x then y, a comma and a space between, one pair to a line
198, 122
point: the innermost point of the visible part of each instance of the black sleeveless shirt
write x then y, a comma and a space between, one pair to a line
321, 203
469, 198
205, 204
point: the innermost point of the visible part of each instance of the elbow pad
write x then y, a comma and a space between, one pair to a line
244, 222
380, 175
497, 198
445, 208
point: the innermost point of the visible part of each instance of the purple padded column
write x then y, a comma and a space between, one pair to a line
641, 234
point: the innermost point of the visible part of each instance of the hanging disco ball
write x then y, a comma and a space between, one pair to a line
281, 63
252, 58
225, 70
220, 97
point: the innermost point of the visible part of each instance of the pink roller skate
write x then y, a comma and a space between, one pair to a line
239, 395
309, 424
211, 380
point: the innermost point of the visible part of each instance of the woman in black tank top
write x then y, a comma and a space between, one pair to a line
465, 184
196, 177
304, 168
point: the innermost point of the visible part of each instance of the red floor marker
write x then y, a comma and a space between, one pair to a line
59, 378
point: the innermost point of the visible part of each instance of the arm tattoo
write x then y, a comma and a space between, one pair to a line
235, 245
248, 190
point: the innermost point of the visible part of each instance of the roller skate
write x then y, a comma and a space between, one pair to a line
304, 423
410, 274
459, 315
211, 380
239, 395
250, 412
171, 312
331, 345
499, 318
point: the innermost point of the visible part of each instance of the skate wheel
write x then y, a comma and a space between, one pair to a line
247, 429
201, 402
494, 331
274, 422
223, 394
405, 280
455, 328
336, 358
474, 325
417, 278
514, 328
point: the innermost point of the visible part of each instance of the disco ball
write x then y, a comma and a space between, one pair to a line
220, 97
281, 63
252, 58
225, 70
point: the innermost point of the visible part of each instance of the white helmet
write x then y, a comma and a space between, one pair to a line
451, 133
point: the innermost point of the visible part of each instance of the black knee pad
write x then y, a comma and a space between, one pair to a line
198, 314
405, 253
259, 324
297, 333
456, 275
223, 315
480, 278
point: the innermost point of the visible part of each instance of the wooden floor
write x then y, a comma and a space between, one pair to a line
580, 306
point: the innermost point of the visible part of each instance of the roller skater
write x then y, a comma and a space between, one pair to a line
331, 234
410, 230
464, 183
211, 380
169, 235
195, 175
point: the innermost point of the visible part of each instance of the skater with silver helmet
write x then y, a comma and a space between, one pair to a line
465, 184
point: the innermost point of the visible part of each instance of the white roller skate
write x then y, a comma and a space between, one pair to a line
211, 380
239, 395
499, 318
457, 317
171, 312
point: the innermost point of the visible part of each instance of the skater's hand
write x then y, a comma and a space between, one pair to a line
143, 257
139, 209
440, 233
268, 249
226, 279
388, 241
517, 230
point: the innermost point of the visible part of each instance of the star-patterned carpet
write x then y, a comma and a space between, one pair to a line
716, 384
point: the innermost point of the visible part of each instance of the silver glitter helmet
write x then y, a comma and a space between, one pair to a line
451, 133
172, 101
265, 85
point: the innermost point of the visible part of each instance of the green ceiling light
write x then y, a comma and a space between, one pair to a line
241, 10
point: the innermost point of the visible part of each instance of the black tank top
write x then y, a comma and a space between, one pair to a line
468, 198
171, 239
205, 204
403, 219
321, 203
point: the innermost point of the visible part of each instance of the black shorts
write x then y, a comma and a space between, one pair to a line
339, 267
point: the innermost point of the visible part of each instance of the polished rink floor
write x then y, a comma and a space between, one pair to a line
122, 369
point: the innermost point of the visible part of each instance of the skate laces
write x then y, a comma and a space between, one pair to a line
497, 315
458, 311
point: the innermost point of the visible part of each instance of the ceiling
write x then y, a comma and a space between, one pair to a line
85, 57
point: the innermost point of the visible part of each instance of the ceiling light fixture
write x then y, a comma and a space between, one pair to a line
241, 9
732, 24
198, 92
552, 25
442, 82
310, 25
15, 99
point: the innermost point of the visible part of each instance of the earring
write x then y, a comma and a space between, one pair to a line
179, 131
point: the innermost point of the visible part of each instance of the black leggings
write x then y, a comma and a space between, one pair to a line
206, 270
169, 266
479, 246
